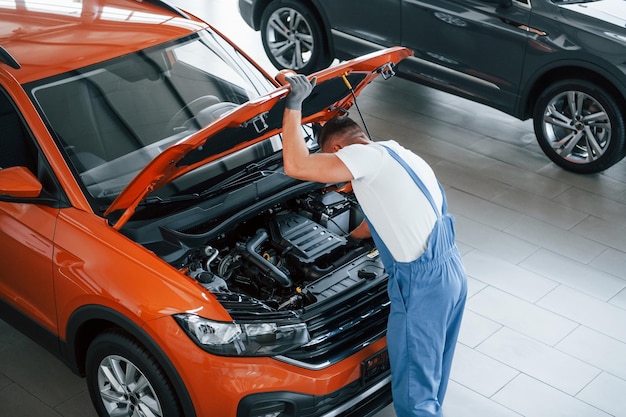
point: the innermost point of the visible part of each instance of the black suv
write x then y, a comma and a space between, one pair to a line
561, 62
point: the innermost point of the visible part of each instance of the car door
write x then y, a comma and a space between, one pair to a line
26, 234
356, 25
473, 48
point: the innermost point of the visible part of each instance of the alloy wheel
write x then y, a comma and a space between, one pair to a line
290, 38
577, 127
125, 391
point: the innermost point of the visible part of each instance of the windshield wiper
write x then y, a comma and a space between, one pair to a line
238, 182
155, 199
246, 175
249, 173
217, 189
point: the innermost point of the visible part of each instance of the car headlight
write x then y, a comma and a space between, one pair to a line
243, 339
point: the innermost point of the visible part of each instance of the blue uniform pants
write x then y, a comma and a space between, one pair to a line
427, 302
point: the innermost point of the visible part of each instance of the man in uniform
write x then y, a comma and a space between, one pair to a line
406, 215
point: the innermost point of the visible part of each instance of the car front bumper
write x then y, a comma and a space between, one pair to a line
254, 386
353, 400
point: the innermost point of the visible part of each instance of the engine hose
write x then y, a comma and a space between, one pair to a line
269, 268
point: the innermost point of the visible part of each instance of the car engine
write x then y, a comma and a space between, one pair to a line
289, 256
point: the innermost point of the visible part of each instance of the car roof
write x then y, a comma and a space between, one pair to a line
42, 38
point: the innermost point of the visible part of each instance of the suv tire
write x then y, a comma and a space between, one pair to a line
579, 126
124, 379
293, 38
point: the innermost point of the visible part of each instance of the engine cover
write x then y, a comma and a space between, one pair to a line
305, 239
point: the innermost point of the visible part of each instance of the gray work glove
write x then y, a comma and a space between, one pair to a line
301, 87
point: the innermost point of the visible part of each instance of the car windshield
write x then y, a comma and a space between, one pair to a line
113, 118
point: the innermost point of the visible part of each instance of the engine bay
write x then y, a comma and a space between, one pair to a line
290, 255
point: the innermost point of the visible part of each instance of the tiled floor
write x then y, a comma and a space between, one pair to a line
544, 333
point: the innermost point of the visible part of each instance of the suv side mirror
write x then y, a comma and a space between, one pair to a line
19, 182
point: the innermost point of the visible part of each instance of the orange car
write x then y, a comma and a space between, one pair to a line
149, 237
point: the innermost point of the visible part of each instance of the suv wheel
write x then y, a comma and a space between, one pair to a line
124, 380
579, 126
293, 38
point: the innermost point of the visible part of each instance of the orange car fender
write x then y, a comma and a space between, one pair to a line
96, 265
74, 351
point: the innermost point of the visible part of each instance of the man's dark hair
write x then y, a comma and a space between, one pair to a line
334, 126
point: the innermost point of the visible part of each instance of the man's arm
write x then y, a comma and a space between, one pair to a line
362, 231
299, 163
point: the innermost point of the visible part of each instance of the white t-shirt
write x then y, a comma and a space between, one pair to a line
392, 202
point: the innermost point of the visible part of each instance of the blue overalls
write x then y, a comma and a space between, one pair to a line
427, 301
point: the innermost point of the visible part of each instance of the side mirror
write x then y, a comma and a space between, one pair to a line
19, 182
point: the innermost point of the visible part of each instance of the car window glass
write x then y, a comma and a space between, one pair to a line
112, 119
18, 148
221, 65
15, 143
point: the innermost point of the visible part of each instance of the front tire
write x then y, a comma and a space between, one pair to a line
579, 126
292, 37
124, 380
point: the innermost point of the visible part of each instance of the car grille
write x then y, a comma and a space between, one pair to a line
344, 325
339, 326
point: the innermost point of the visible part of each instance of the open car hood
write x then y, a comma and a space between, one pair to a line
252, 122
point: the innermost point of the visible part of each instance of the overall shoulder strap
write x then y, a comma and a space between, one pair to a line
418, 181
